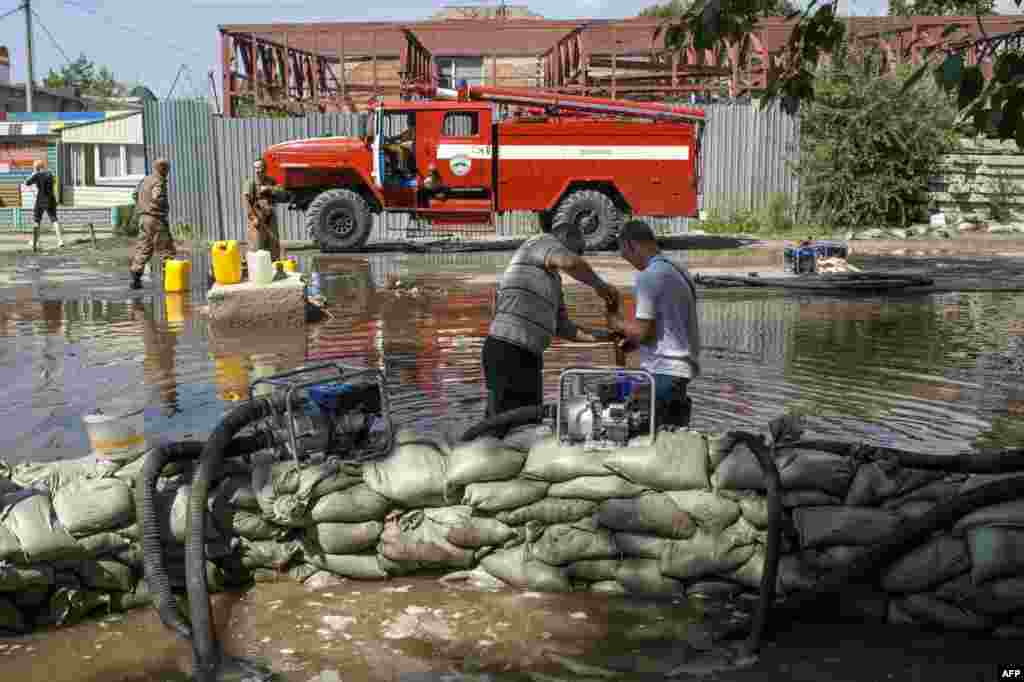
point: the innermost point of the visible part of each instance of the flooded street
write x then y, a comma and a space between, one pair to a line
936, 373
932, 372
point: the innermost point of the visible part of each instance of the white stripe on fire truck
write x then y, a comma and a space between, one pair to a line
554, 152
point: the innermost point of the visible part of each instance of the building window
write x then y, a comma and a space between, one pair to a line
456, 69
120, 163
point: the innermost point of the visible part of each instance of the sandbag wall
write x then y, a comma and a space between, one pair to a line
687, 514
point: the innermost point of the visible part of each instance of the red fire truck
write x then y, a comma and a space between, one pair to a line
587, 160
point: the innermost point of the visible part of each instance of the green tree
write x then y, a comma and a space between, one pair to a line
676, 8
939, 8
86, 77
866, 148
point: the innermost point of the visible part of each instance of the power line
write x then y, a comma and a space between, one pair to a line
10, 12
52, 39
133, 29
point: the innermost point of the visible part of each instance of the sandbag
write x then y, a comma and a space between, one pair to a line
898, 615
358, 566
285, 491
653, 513
39, 533
244, 523
922, 568
550, 510
517, 568
608, 587
928, 608
10, 548
138, 597
678, 460
414, 540
553, 462
639, 545
881, 479
719, 446
106, 575
236, 491
345, 538
523, 438
799, 469
179, 516
466, 530
808, 498
50, 477
269, 554
354, 505
713, 513
711, 553
595, 488
995, 552
832, 558
754, 509
484, 459
90, 506
412, 476
593, 570
838, 525
17, 578
302, 572
1001, 597
11, 619
68, 606
936, 491
563, 544
103, 544
1005, 515
644, 577
502, 495
915, 508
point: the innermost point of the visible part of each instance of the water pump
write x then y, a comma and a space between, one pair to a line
604, 407
327, 410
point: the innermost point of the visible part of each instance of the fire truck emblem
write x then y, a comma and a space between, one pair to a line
460, 165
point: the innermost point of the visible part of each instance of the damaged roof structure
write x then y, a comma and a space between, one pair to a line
341, 66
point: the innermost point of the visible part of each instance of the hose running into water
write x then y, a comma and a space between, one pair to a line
152, 543
205, 648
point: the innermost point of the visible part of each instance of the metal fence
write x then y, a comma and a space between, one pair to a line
743, 161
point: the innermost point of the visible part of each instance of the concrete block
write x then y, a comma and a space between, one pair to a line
246, 305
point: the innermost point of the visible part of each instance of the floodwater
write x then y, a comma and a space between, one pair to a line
926, 372
932, 372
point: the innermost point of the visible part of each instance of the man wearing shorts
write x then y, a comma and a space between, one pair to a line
46, 201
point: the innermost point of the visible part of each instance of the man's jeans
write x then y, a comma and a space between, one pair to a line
672, 405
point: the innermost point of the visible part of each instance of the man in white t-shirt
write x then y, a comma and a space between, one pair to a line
665, 329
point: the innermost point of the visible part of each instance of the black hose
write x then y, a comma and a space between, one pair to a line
152, 543
204, 642
981, 462
506, 420
911, 533
773, 485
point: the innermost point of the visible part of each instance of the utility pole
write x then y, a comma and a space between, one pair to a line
28, 51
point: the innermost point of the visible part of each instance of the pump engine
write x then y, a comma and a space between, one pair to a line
604, 407
327, 409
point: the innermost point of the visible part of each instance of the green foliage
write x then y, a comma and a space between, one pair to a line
127, 222
245, 107
84, 75
774, 220
182, 231
868, 146
937, 8
1004, 190
676, 8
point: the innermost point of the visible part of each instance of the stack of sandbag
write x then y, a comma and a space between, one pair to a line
65, 529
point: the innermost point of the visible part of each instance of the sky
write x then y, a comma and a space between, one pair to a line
148, 41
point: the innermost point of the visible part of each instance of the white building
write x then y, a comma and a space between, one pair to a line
104, 160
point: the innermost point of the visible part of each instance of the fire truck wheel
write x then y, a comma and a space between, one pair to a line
339, 220
595, 213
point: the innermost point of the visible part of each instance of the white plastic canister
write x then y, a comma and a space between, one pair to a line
118, 434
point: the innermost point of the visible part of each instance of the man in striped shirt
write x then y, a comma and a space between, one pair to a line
530, 311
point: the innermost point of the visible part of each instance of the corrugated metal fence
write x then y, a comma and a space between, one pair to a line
743, 166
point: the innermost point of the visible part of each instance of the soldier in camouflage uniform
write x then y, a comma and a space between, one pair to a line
155, 233
262, 232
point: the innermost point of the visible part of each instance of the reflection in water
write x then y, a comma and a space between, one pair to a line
940, 371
